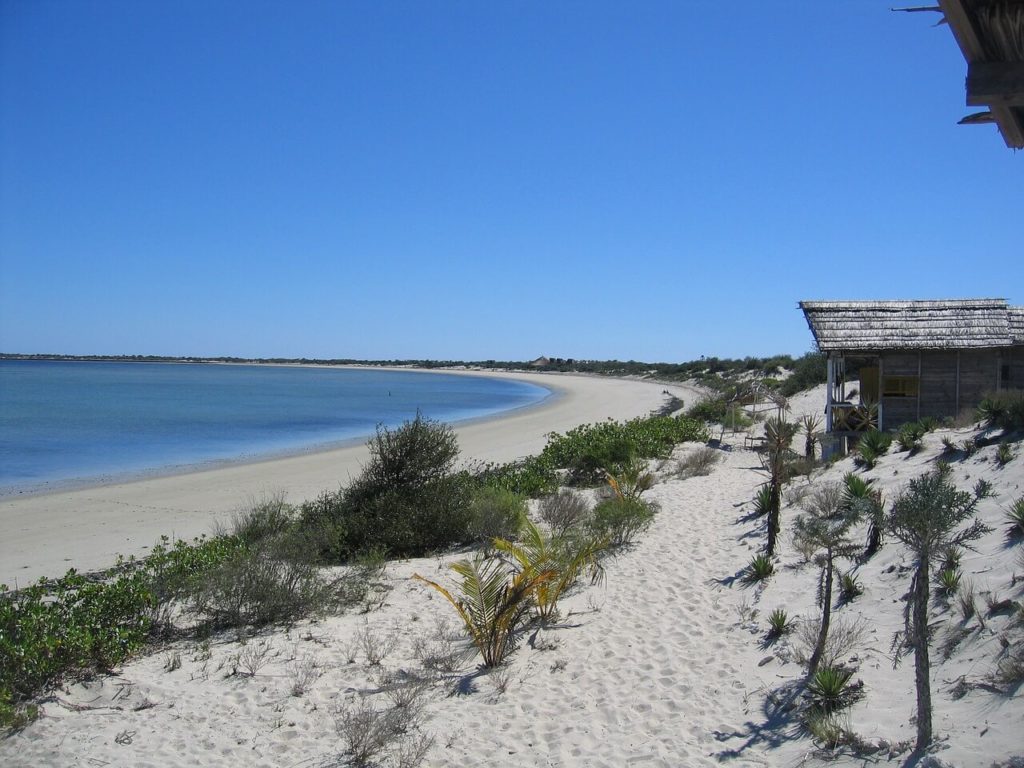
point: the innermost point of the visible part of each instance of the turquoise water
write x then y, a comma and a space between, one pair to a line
80, 421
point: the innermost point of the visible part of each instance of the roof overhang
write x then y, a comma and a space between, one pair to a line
990, 34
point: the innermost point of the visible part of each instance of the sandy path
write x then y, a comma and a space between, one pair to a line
45, 535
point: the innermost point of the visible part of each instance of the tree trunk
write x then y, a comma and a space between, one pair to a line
774, 505
922, 664
826, 618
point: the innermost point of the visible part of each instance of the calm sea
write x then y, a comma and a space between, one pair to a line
80, 421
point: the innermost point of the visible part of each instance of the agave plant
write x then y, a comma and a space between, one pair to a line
948, 582
860, 498
565, 558
850, 586
493, 603
910, 437
763, 500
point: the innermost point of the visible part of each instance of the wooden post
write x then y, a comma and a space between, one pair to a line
881, 393
919, 353
957, 384
830, 364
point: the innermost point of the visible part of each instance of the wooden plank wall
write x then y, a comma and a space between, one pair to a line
979, 371
938, 384
899, 410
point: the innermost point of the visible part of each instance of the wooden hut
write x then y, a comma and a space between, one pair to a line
914, 358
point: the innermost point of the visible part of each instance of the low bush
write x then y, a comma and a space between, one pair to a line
564, 511
408, 500
698, 462
910, 437
850, 587
778, 623
495, 513
808, 371
532, 477
619, 520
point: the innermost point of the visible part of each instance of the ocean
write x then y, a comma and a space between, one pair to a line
69, 422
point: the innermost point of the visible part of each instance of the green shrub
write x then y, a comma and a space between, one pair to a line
619, 520
759, 568
591, 450
495, 513
808, 371
532, 477
711, 409
408, 500
983, 489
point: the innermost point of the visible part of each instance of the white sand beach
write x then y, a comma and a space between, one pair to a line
667, 664
45, 535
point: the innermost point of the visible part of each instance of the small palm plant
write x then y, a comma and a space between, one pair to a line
565, 558
493, 603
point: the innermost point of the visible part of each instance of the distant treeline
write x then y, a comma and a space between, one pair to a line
788, 372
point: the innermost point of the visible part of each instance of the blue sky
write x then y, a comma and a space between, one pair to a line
461, 180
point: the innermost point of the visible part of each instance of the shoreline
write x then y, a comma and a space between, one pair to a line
88, 528
88, 482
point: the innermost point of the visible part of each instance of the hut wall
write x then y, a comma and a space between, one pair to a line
978, 375
938, 384
898, 410
1013, 360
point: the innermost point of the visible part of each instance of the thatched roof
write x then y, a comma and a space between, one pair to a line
849, 326
990, 34
1017, 324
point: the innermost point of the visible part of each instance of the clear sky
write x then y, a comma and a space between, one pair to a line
462, 180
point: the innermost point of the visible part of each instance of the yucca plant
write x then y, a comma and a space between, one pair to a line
565, 558
763, 500
947, 582
779, 435
493, 603
778, 623
948, 446
860, 498
829, 689
910, 437
1004, 453
811, 423
1015, 519
850, 586
928, 423
760, 568
872, 445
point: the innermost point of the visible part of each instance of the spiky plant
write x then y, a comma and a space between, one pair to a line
493, 603
632, 481
1004, 453
824, 527
1015, 519
779, 435
850, 586
910, 437
759, 568
763, 500
829, 689
778, 623
860, 498
948, 582
811, 423
872, 445
566, 558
